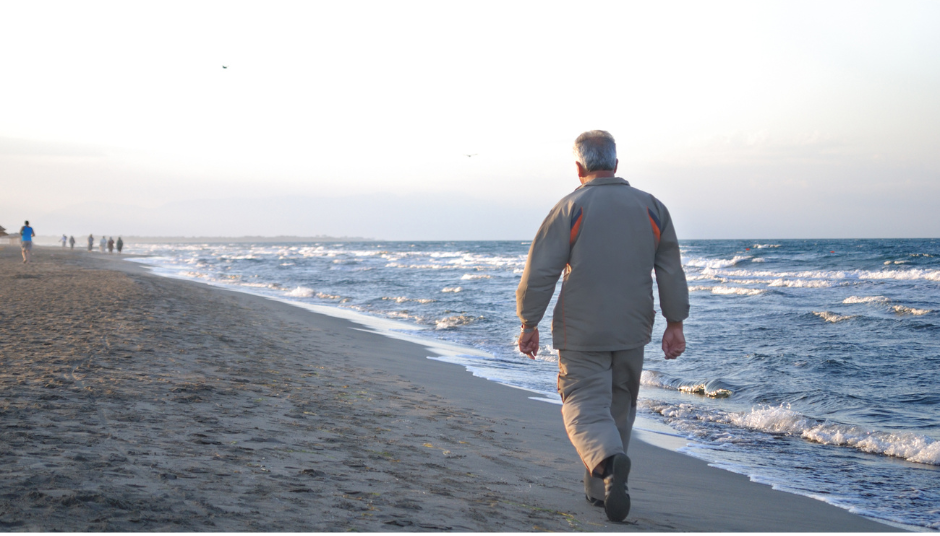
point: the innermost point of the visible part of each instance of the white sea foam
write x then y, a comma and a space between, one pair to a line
902, 310
866, 299
716, 263
903, 275
470, 277
656, 379
829, 316
897, 262
764, 246
758, 259
454, 321
697, 288
738, 291
727, 291
451, 289
783, 420
403, 299
302, 292
800, 283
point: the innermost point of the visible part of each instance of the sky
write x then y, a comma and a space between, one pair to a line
747, 119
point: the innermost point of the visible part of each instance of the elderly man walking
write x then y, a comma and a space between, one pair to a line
607, 237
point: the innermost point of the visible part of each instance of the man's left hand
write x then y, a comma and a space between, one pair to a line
673, 340
529, 343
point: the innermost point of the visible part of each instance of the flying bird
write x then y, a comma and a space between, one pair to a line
225, 66
469, 155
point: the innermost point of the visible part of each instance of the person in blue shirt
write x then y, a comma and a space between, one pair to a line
26, 241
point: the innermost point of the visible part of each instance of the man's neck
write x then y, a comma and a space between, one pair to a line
599, 174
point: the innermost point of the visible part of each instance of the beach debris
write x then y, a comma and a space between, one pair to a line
700, 389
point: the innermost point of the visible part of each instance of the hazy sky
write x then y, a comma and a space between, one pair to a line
748, 119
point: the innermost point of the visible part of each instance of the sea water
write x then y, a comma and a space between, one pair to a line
812, 365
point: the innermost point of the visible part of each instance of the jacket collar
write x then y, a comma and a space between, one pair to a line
604, 181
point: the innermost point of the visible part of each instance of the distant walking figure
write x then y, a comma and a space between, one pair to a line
120, 244
64, 240
103, 244
26, 241
71, 242
111, 245
91, 242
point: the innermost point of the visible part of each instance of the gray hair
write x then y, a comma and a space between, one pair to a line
596, 150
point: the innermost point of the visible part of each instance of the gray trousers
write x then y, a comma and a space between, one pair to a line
598, 392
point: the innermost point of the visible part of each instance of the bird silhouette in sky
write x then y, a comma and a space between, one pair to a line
469, 155
225, 66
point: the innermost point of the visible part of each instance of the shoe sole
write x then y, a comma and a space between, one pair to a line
617, 503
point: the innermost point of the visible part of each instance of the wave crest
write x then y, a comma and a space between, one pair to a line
829, 316
783, 420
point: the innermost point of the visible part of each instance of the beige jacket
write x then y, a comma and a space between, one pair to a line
608, 238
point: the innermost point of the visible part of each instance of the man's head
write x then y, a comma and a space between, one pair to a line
595, 150
27, 223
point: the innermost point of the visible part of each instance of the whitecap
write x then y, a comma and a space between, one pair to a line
800, 283
739, 291
832, 317
866, 299
696, 288
301, 292
453, 321
452, 289
716, 263
403, 299
468, 277
783, 420
903, 310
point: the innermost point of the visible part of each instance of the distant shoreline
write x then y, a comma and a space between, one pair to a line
241, 239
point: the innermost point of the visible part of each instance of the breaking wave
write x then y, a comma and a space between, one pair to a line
903, 310
716, 263
866, 299
829, 316
783, 420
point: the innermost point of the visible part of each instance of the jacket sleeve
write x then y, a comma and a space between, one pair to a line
548, 256
670, 278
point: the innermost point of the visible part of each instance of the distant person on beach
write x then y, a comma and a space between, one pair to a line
91, 242
26, 241
71, 242
120, 244
102, 244
64, 240
111, 245
607, 237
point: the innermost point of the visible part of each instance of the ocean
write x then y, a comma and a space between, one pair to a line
812, 365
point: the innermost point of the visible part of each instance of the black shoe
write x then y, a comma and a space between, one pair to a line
593, 501
617, 500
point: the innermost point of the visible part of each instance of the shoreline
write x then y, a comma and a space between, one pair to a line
447, 424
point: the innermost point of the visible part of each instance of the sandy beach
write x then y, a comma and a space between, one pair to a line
132, 402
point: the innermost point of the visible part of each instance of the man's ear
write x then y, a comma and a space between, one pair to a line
616, 163
581, 171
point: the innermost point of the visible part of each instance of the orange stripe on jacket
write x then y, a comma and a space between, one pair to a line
575, 226
654, 223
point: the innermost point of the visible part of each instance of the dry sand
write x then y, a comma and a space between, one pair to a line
131, 402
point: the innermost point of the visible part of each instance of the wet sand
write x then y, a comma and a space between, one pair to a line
130, 402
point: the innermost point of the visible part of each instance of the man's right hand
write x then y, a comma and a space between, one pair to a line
673, 340
529, 343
